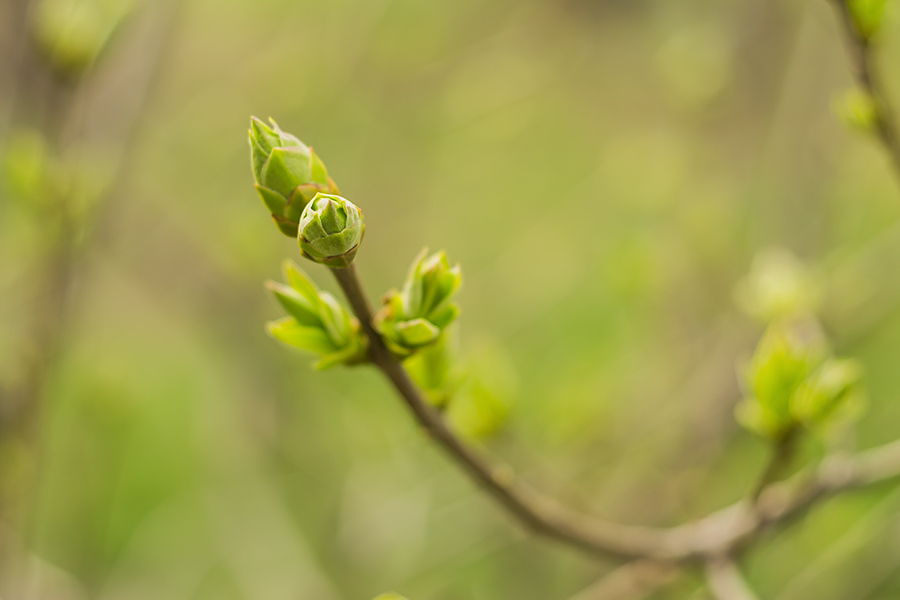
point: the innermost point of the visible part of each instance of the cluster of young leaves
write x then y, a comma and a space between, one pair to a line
792, 380
73, 33
417, 315
415, 321
318, 322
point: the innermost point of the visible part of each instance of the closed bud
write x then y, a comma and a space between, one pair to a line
331, 229
416, 316
288, 174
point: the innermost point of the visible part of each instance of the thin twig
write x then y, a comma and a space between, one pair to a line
631, 581
778, 462
726, 582
718, 534
859, 50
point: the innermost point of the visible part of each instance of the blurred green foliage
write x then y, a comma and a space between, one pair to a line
638, 155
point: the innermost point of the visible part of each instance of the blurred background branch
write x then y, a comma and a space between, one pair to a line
51, 100
726, 581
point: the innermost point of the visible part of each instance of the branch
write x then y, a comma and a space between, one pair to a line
859, 50
631, 581
537, 512
718, 534
780, 459
726, 582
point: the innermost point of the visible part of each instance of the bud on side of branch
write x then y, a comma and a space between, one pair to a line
415, 316
331, 230
779, 366
867, 16
833, 391
318, 323
288, 174
794, 382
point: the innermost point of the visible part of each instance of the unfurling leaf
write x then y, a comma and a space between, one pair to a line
780, 364
836, 385
415, 316
318, 323
791, 382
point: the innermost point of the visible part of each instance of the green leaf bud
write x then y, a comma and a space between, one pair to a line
73, 33
835, 385
331, 229
867, 16
288, 174
857, 109
318, 323
781, 363
415, 316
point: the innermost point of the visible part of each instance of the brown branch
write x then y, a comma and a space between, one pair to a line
631, 581
537, 512
859, 50
718, 534
726, 582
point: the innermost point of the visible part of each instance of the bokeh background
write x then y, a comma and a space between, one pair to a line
605, 172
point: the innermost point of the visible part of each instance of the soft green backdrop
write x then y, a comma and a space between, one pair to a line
605, 173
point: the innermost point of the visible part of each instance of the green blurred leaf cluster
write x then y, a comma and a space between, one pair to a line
868, 15
37, 177
318, 322
792, 381
856, 108
26, 167
73, 33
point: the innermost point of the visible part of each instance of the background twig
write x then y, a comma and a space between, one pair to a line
726, 582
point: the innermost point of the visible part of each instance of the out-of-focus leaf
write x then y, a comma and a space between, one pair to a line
855, 108
73, 33
868, 15
778, 286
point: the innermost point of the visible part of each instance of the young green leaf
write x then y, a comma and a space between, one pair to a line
318, 323
415, 316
